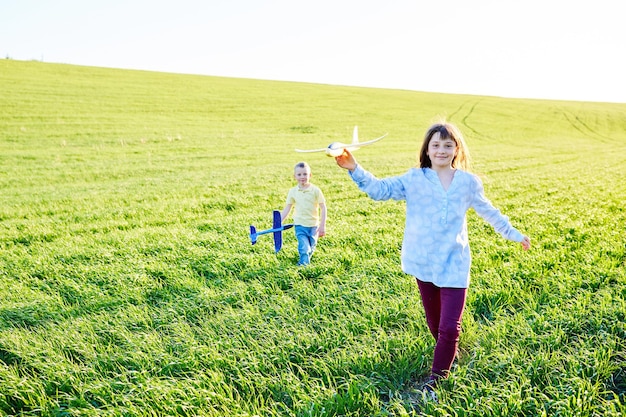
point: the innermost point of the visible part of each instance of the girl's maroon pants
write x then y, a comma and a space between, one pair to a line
444, 310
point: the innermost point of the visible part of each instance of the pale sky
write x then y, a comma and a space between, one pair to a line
554, 49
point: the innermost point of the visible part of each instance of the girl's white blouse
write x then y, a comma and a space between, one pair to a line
435, 247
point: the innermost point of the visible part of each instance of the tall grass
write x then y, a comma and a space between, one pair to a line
128, 285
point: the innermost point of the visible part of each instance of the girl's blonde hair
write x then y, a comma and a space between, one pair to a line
446, 131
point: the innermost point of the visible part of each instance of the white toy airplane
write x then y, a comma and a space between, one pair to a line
336, 148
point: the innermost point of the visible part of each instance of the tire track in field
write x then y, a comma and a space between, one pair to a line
583, 128
468, 114
458, 110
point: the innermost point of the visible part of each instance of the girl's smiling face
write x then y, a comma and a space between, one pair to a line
441, 152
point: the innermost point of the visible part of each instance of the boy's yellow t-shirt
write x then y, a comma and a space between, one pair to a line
306, 205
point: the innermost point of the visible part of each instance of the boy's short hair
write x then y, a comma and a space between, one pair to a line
302, 165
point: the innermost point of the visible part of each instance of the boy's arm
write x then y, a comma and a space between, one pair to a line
285, 212
322, 228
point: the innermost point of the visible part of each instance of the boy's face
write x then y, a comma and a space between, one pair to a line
302, 176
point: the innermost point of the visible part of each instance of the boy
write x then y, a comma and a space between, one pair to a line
309, 216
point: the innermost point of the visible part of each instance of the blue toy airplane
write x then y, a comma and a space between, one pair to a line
277, 229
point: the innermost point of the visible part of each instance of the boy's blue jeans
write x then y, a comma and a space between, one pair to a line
307, 239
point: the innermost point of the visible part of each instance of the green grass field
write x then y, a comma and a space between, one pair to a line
129, 287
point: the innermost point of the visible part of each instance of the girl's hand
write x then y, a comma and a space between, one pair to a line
526, 243
346, 160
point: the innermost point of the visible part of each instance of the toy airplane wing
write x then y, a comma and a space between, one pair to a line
359, 144
278, 234
335, 145
311, 150
336, 148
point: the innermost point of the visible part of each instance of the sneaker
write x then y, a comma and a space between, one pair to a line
428, 389
429, 394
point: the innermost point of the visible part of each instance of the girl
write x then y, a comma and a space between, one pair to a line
435, 249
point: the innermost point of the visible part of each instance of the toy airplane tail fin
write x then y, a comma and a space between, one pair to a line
355, 135
253, 234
